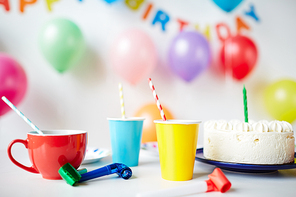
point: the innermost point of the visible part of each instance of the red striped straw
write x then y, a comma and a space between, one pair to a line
156, 99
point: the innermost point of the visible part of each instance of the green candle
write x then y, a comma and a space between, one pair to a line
245, 104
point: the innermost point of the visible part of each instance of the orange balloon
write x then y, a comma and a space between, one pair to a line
150, 112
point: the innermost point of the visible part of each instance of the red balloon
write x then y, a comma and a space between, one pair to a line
239, 55
13, 82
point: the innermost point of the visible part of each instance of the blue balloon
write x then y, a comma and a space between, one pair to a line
189, 54
227, 5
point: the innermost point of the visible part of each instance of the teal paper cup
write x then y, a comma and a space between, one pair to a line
125, 137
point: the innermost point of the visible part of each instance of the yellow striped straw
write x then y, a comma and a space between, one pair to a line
121, 100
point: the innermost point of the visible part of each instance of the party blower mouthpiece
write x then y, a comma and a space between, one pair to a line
72, 176
217, 182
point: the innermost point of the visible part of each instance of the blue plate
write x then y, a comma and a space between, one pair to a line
239, 167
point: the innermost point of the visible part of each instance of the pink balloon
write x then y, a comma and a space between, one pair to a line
13, 82
133, 56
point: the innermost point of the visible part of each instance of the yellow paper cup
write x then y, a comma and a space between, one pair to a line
177, 140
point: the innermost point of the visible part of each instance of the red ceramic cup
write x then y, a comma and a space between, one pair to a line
52, 150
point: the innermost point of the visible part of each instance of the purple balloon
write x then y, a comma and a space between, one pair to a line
189, 54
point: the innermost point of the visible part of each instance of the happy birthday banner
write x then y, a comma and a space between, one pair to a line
161, 17
24, 3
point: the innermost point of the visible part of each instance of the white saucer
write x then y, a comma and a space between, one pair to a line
94, 154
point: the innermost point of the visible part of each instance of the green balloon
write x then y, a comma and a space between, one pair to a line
62, 43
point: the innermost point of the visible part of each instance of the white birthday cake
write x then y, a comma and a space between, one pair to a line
260, 142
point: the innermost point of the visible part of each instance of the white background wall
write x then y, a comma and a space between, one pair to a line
86, 95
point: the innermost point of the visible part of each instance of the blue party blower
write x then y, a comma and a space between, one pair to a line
72, 176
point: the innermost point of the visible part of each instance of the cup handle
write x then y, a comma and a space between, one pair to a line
25, 142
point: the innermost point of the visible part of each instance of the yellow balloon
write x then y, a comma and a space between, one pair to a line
280, 100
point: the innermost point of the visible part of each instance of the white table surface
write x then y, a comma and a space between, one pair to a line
146, 177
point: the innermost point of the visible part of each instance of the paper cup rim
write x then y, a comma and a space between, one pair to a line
54, 132
178, 121
127, 119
